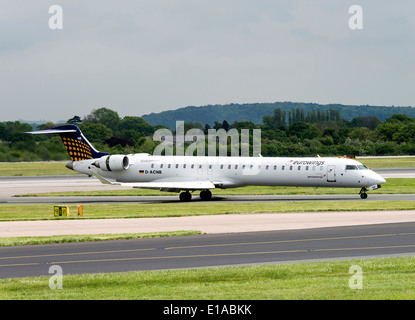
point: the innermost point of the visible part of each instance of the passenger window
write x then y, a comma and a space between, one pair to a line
306, 168
169, 165
221, 166
267, 167
275, 167
283, 168
177, 166
299, 167
291, 167
161, 166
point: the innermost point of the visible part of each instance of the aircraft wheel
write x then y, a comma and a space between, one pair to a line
185, 196
205, 195
363, 195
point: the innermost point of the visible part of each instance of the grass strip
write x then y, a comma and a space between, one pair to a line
21, 212
38, 168
22, 241
387, 278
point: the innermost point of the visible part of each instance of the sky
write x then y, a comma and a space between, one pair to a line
139, 57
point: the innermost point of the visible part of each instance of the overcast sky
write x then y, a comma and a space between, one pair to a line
138, 57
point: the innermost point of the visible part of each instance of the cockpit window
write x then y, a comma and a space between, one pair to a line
362, 167
351, 167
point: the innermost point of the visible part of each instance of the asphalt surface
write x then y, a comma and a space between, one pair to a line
289, 237
235, 249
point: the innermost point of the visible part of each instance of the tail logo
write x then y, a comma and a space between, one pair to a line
78, 150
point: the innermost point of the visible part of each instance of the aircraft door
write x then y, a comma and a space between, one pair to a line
331, 173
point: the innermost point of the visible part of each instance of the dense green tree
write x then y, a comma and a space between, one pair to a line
96, 132
46, 125
400, 118
370, 122
303, 130
105, 116
76, 120
135, 127
238, 125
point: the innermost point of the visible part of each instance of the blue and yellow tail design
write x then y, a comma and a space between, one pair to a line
75, 143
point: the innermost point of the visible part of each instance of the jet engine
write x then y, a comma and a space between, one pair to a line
113, 163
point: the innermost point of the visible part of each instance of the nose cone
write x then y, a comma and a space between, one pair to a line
377, 179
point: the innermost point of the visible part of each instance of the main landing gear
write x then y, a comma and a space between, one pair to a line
205, 195
186, 196
363, 193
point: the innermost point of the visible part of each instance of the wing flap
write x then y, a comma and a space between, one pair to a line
173, 186
162, 185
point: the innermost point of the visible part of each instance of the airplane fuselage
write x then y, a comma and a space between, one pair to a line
187, 174
232, 172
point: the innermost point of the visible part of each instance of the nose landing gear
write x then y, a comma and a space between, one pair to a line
363, 193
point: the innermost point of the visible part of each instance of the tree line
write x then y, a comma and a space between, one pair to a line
293, 133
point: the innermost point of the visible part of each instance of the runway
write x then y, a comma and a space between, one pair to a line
236, 249
229, 240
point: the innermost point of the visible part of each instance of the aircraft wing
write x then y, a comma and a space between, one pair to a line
161, 185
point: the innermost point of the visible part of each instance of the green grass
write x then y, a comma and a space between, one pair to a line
16, 212
10, 169
388, 163
389, 278
22, 241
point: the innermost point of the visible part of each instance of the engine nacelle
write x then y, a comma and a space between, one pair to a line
113, 163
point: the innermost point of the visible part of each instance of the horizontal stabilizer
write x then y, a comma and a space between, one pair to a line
50, 131
78, 147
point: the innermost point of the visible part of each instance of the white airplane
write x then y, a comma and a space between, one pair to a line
186, 174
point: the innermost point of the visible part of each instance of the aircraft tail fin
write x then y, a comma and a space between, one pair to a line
78, 147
